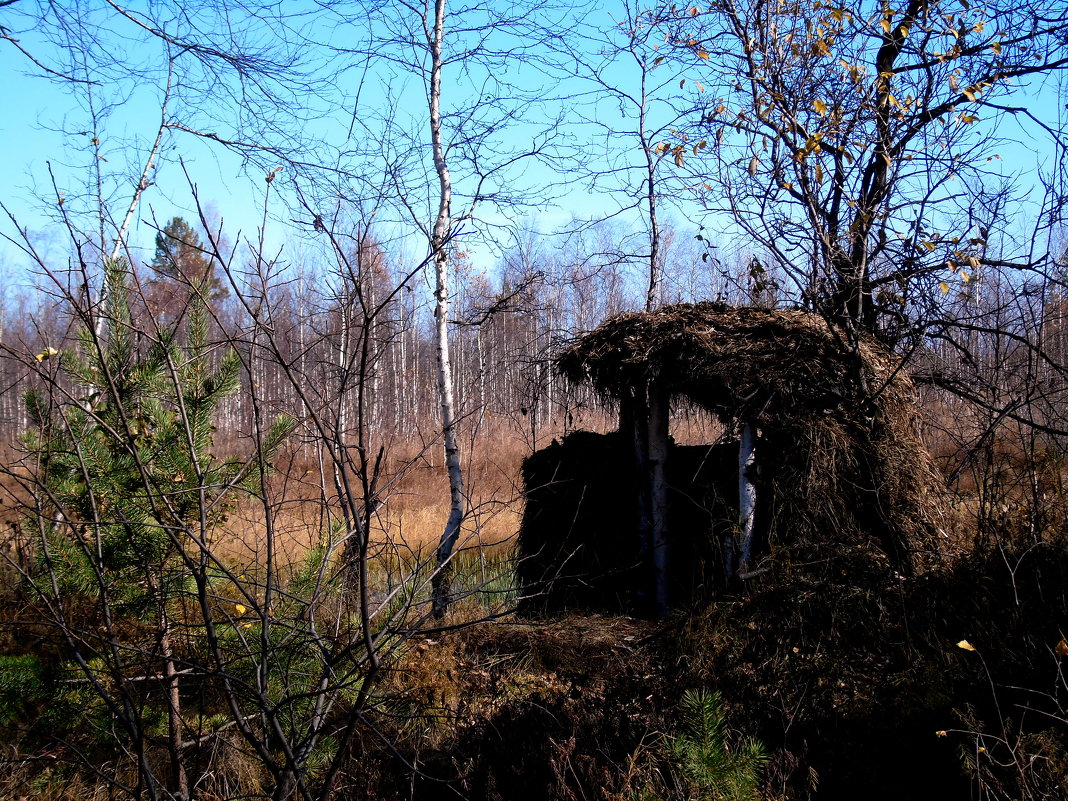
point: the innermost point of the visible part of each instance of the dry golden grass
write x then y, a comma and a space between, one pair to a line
411, 517
1002, 474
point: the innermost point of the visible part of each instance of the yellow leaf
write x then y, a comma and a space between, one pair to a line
968, 119
241, 608
47, 353
944, 288
886, 25
856, 73
965, 645
702, 53
965, 277
941, 733
1061, 648
996, 47
700, 86
820, 107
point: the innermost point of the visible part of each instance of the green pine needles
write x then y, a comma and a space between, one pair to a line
122, 439
714, 768
128, 494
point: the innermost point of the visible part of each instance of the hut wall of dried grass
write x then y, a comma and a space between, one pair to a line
841, 470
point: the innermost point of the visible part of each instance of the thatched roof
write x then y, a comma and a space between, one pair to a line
756, 364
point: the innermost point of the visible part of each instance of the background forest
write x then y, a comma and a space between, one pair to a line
282, 306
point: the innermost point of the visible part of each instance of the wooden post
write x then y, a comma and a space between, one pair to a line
634, 425
656, 480
643, 418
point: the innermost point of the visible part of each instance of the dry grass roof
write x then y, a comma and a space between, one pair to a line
750, 363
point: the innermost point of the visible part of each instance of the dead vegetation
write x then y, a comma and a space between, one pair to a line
844, 667
842, 471
844, 676
854, 683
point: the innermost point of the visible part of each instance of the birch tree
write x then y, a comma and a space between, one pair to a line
883, 157
466, 103
439, 242
635, 106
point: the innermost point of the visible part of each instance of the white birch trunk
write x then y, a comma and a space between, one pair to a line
652, 297
439, 248
480, 350
747, 496
339, 445
142, 184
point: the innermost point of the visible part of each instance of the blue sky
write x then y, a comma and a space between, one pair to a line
359, 117
49, 123
47, 131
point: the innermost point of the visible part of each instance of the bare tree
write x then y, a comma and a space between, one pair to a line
150, 603
460, 154
235, 78
635, 107
862, 145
